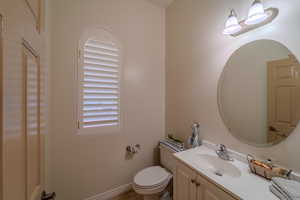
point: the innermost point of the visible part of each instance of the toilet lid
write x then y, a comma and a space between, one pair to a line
151, 176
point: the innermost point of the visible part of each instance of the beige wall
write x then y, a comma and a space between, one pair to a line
196, 55
243, 89
85, 165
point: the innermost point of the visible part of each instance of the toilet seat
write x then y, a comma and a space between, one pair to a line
153, 186
150, 191
151, 178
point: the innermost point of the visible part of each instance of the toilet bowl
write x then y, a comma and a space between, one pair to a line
151, 182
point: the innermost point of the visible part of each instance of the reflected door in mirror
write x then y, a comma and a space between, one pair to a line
283, 98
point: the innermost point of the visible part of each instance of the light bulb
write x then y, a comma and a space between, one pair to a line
256, 13
232, 25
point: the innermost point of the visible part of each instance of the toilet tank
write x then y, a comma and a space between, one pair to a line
167, 159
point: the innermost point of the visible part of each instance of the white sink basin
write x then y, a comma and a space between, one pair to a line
217, 166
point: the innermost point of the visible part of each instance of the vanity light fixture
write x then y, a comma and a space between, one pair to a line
232, 25
256, 13
257, 17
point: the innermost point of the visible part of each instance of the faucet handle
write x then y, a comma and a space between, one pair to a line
222, 147
196, 125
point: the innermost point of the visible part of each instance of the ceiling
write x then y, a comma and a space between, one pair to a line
162, 3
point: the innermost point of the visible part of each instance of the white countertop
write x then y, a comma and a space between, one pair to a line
247, 186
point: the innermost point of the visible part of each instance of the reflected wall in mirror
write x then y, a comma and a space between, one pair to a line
259, 93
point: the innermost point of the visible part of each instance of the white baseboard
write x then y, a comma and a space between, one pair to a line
111, 193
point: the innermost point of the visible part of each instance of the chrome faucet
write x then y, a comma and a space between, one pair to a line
223, 153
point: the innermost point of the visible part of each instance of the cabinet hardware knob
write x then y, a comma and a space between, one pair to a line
198, 184
193, 181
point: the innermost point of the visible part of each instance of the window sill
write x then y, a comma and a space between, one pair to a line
99, 131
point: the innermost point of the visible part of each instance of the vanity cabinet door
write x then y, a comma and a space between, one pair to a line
209, 191
209, 195
200, 190
185, 183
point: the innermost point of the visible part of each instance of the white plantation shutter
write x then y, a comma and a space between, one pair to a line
100, 84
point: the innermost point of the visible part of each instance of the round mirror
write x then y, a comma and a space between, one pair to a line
259, 93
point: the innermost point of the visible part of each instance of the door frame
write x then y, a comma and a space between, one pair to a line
1, 106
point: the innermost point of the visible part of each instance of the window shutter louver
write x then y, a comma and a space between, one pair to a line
100, 89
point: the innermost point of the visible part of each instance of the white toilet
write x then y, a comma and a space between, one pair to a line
152, 181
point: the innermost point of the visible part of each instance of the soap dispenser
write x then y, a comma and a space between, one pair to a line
194, 140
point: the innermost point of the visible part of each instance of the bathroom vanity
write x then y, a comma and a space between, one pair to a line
201, 175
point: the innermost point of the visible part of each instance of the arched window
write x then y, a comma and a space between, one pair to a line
99, 82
